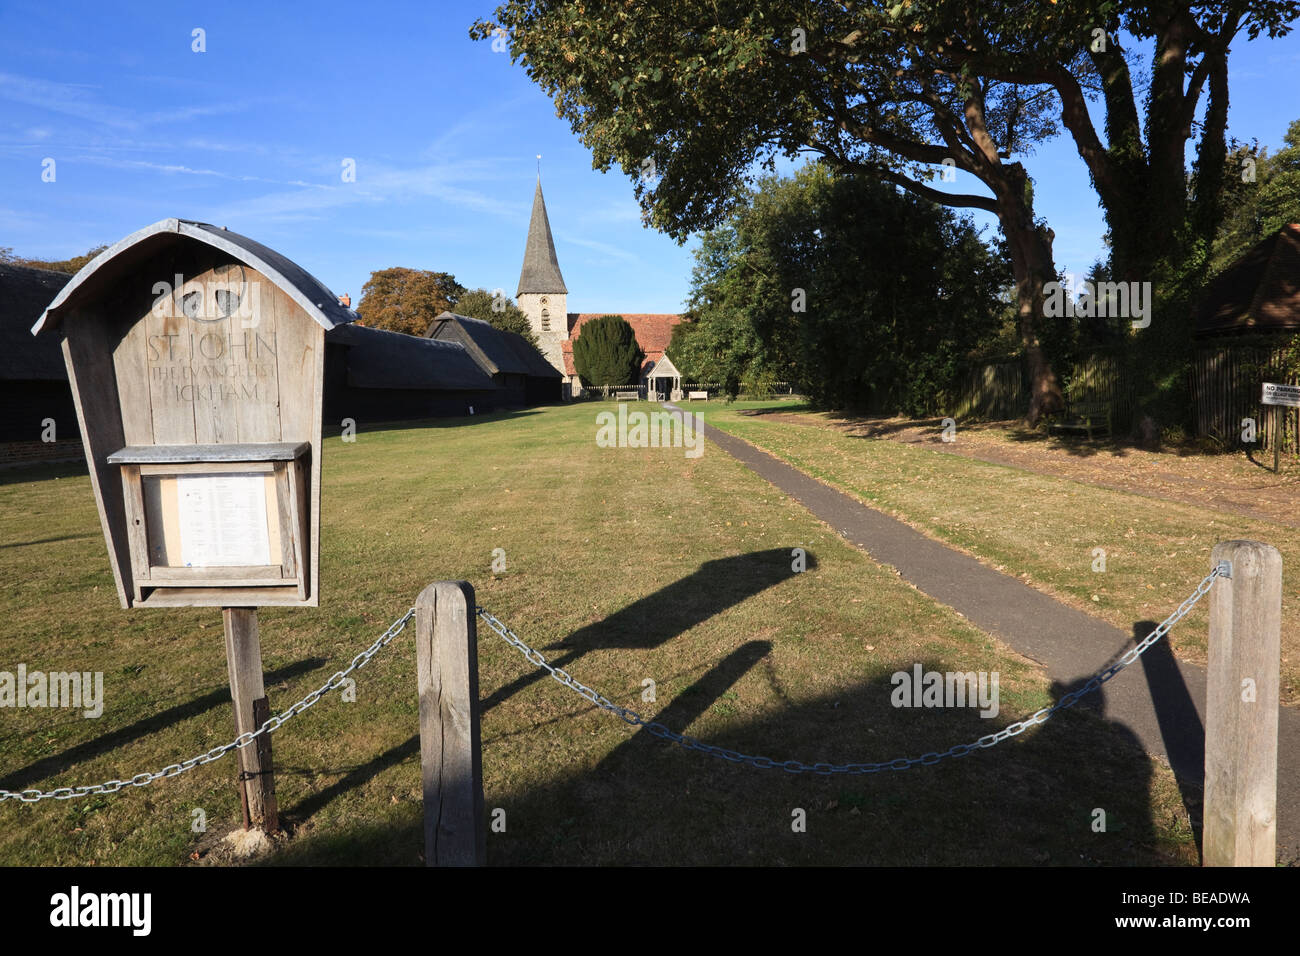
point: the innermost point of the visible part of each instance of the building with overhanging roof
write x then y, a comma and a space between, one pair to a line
507, 357
40, 421
654, 330
370, 375
374, 375
1259, 293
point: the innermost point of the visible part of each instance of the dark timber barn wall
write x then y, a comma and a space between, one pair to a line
373, 375
33, 378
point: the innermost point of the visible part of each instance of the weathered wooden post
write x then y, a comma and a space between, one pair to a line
1241, 709
447, 665
247, 693
196, 358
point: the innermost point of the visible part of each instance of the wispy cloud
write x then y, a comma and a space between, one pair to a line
81, 101
181, 169
620, 212
613, 252
468, 130
445, 182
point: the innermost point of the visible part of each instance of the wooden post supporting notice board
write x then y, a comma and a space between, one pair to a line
450, 745
1241, 708
244, 661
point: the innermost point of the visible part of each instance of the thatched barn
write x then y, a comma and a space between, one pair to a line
1259, 293
515, 366
33, 378
373, 375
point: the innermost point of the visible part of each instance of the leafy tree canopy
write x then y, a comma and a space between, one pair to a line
865, 296
685, 95
1263, 197
407, 300
606, 352
70, 266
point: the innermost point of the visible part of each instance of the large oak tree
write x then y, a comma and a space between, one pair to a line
686, 95
407, 300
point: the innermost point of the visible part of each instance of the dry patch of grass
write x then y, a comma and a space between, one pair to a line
1041, 527
625, 565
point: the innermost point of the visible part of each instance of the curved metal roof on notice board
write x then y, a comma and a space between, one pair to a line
299, 284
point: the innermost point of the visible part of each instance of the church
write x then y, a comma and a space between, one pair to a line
543, 297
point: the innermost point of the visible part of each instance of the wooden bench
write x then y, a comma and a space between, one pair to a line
1085, 417
627, 396
692, 396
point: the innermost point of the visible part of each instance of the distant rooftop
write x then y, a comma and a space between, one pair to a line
1260, 292
25, 293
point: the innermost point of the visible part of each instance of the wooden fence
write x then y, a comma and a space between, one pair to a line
601, 393
1225, 390
598, 393
993, 392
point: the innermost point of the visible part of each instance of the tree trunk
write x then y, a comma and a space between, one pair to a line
1033, 267
1045, 396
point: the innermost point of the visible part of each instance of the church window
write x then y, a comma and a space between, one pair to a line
546, 320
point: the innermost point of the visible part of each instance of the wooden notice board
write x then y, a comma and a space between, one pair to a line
196, 359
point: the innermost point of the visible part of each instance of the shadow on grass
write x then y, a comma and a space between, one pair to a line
781, 409
879, 427
58, 763
1266, 461
656, 619
647, 623
1038, 799
1079, 446
66, 537
1180, 724
364, 426
43, 471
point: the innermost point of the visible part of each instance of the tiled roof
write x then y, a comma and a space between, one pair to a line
494, 349
1260, 291
653, 332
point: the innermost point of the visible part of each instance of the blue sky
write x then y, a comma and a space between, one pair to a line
252, 134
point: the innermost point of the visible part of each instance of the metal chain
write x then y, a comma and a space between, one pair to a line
243, 740
630, 716
1222, 569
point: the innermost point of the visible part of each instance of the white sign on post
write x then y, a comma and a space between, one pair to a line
223, 521
1281, 395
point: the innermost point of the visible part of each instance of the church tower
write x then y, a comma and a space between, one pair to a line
542, 294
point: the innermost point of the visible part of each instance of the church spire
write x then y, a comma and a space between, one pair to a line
541, 272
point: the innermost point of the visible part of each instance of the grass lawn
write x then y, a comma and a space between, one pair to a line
626, 565
1036, 526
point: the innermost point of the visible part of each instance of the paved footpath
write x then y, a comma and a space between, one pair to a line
1160, 699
